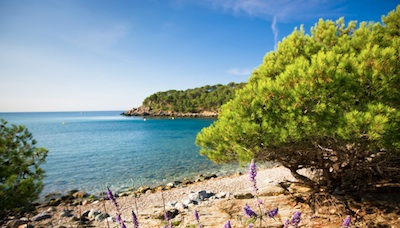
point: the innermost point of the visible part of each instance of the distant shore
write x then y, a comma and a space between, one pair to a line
143, 111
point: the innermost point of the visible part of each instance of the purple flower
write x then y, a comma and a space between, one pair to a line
252, 176
228, 224
272, 213
167, 219
286, 224
250, 225
166, 216
135, 220
196, 216
250, 213
112, 198
346, 222
296, 218
118, 218
120, 221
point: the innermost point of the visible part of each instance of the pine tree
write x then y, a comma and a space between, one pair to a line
20, 172
327, 101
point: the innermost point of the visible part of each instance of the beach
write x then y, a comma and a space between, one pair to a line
217, 200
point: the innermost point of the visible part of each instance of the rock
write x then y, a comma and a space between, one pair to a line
16, 223
85, 213
74, 218
205, 194
80, 195
71, 192
41, 216
25, 226
67, 198
159, 189
92, 213
66, 213
180, 206
194, 196
171, 214
100, 217
210, 177
243, 195
51, 209
143, 189
186, 202
222, 195
298, 188
54, 202
273, 190
187, 182
172, 203
84, 202
122, 194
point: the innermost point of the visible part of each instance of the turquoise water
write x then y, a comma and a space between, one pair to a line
91, 149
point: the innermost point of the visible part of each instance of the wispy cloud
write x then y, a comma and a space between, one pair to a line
275, 31
284, 10
239, 72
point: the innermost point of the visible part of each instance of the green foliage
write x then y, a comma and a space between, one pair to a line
20, 174
329, 100
206, 98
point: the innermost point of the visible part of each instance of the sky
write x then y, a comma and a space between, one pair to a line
92, 55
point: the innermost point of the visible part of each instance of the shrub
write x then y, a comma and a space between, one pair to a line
20, 174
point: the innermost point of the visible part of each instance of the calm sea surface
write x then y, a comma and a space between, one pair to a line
91, 149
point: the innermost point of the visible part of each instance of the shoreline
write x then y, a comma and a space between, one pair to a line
235, 171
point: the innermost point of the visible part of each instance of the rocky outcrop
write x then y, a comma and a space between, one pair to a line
145, 111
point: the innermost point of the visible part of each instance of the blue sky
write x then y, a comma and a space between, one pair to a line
82, 55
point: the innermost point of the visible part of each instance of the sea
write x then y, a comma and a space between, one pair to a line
91, 150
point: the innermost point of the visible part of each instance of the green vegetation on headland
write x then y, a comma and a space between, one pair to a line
328, 101
204, 101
